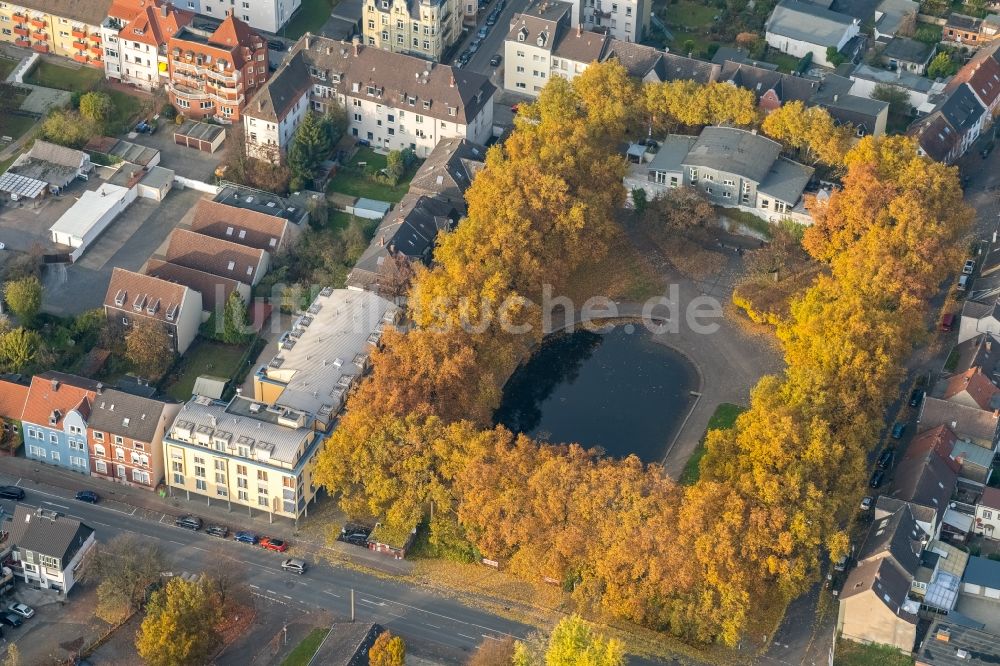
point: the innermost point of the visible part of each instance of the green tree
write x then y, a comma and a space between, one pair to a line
66, 128
311, 145
19, 348
97, 107
234, 320
24, 298
387, 650
123, 569
898, 99
639, 200
575, 643
941, 66
180, 625
148, 348
834, 56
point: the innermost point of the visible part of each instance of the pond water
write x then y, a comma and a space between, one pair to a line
620, 390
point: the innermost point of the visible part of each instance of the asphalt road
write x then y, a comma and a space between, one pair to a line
493, 44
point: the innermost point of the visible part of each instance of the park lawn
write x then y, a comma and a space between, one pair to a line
15, 126
7, 65
305, 650
310, 18
723, 418
357, 185
204, 358
850, 653
65, 78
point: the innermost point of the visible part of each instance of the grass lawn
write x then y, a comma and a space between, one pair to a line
15, 126
204, 358
310, 18
65, 78
305, 650
355, 184
785, 62
688, 14
850, 653
127, 110
4, 164
7, 66
724, 417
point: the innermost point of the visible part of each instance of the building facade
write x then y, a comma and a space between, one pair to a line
60, 27
134, 296
988, 514
422, 28
49, 547
55, 420
265, 15
135, 35
627, 20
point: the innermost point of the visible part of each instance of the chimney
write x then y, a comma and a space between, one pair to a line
452, 82
308, 37
356, 42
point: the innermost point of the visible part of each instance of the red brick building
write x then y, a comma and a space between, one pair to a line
213, 72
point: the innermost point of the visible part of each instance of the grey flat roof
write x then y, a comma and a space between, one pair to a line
158, 177
196, 130
786, 180
673, 149
808, 23
732, 150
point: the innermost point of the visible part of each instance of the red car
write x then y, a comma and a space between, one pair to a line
271, 543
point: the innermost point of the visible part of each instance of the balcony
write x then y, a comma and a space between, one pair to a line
40, 36
21, 31
96, 38
23, 43
79, 33
37, 23
184, 92
80, 45
41, 47
96, 49
19, 18
80, 57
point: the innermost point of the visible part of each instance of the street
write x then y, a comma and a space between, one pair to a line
493, 44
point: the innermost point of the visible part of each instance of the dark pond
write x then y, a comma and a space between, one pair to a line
618, 390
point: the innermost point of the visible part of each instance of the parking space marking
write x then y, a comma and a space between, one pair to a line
471, 638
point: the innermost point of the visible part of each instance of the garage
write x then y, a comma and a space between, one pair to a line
200, 136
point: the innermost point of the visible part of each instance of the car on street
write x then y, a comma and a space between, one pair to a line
474, 45
12, 492
885, 460
840, 564
11, 620
189, 522
483, 32
969, 267
491, 20
22, 610
496, 60
947, 321
275, 45
217, 531
877, 478
294, 565
898, 430
270, 543
88, 496
963, 282
916, 397
247, 537
866, 503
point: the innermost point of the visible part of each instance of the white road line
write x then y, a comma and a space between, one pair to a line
254, 586
287, 597
444, 617
369, 601
18, 482
471, 638
332, 594
270, 591
61, 506
432, 625
179, 543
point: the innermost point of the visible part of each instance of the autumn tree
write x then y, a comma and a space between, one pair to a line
688, 103
123, 569
180, 625
575, 643
387, 650
13, 656
24, 298
942, 66
494, 653
148, 347
19, 348
810, 130
66, 128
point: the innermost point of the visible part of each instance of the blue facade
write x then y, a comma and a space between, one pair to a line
63, 444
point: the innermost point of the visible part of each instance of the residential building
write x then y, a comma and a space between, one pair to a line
55, 420
293, 208
265, 15
980, 351
927, 476
954, 643
939, 577
922, 93
135, 35
244, 453
623, 20
970, 31
13, 396
955, 123
421, 28
975, 463
733, 167
448, 171
215, 68
893, 17
68, 28
48, 547
971, 388
988, 514
982, 579
324, 354
227, 259
246, 226
134, 296
392, 100
982, 75
126, 438
908, 55
977, 425
796, 27
979, 318
215, 290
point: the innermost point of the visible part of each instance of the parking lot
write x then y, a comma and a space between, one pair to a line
187, 162
58, 629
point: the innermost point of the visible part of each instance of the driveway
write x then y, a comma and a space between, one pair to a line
187, 162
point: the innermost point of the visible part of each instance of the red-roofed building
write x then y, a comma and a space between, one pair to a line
213, 72
982, 73
136, 35
973, 389
54, 420
13, 396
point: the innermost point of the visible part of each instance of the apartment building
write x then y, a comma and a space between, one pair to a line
55, 418
134, 296
265, 15
48, 547
215, 68
135, 35
125, 437
68, 28
243, 453
626, 20
392, 100
422, 28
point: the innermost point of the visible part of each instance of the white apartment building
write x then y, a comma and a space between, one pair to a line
135, 36
266, 15
422, 28
627, 20
393, 101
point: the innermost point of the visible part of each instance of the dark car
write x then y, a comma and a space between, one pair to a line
916, 397
247, 537
947, 321
877, 478
885, 459
898, 430
364, 142
275, 45
12, 492
496, 60
88, 496
189, 522
217, 531
11, 620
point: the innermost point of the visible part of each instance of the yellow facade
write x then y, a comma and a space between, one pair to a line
45, 32
425, 30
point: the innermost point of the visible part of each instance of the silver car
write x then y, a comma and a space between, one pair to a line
294, 565
22, 610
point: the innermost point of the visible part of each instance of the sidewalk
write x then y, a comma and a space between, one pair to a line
150, 506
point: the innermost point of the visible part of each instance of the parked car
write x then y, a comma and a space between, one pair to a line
969, 267
496, 60
474, 45
885, 460
12, 492
189, 522
898, 430
270, 543
88, 496
483, 32
947, 321
22, 610
491, 20
217, 531
247, 537
963, 283
295, 566
877, 478
866, 503
840, 564
916, 397
11, 620
363, 143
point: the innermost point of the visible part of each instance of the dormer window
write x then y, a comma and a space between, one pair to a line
371, 90
542, 38
522, 34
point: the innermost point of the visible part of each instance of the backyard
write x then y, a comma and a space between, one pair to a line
351, 179
15, 126
79, 79
689, 22
849, 653
310, 18
203, 358
723, 418
7, 66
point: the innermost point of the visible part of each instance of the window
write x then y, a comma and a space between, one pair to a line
135, 458
74, 430
178, 479
140, 477
220, 464
987, 514
288, 481
661, 178
241, 469
120, 454
101, 467
37, 452
99, 436
53, 438
55, 456
177, 466
261, 475
99, 450
520, 68
200, 484
119, 440
138, 446
242, 494
263, 501
765, 203
220, 477
242, 483
199, 471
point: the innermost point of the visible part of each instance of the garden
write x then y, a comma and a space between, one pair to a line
204, 357
372, 175
72, 79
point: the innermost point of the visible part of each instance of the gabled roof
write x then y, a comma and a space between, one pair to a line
807, 22
539, 24
213, 255
639, 60
927, 475
786, 180
240, 225
54, 394
908, 50
982, 73
982, 351
897, 536
990, 498
580, 45
733, 150
285, 87
214, 289
982, 571
978, 424
55, 154
936, 136
125, 414
448, 171
675, 67
760, 80
962, 109
978, 386
233, 32
154, 23
48, 533
883, 579
13, 396
963, 22
145, 295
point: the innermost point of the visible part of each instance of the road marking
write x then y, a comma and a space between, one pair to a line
287, 597
432, 625
270, 591
179, 543
471, 638
254, 586
61, 506
445, 617
332, 594
492, 638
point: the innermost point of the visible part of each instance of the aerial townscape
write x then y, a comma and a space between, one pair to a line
499, 332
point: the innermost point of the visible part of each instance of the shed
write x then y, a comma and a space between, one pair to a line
369, 209
22, 188
202, 136
391, 541
156, 183
210, 386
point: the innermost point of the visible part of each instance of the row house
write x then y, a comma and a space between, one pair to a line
135, 35
946, 133
133, 296
13, 397
55, 420
988, 514
215, 68
67, 28
392, 100
423, 28
970, 31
